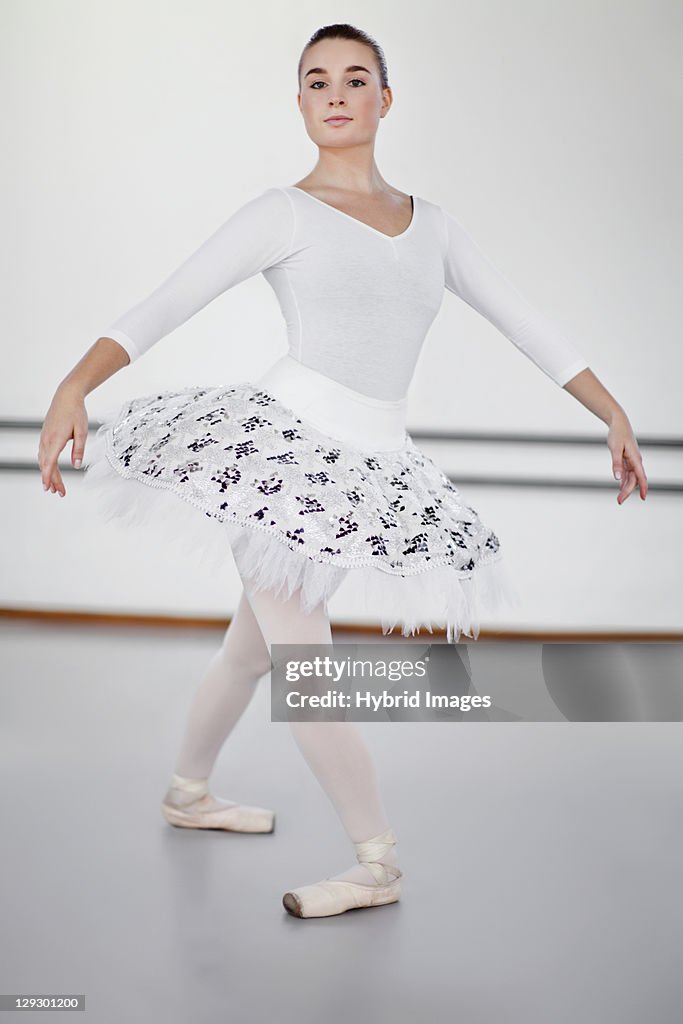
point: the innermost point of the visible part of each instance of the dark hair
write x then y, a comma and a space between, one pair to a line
348, 32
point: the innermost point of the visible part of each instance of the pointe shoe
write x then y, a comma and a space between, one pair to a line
331, 896
239, 818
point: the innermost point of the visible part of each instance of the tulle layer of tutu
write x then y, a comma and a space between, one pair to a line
233, 469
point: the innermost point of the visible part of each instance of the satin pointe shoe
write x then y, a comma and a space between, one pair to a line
200, 814
329, 897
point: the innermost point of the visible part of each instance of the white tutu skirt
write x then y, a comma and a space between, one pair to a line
305, 481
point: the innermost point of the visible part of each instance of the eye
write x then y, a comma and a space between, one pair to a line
319, 82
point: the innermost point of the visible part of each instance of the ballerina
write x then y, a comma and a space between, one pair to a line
308, 474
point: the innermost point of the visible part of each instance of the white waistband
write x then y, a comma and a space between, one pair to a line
347, 415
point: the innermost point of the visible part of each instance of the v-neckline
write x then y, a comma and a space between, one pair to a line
382, 234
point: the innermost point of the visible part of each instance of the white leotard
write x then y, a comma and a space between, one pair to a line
357, 303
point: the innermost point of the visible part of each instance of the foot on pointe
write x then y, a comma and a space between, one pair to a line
378, 884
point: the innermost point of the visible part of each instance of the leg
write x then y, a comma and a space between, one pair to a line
335, 751
217, 705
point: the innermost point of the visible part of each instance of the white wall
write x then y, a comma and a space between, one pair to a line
548, 130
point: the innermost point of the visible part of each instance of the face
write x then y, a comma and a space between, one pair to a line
341, 77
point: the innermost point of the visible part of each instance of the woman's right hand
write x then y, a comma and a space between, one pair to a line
66, 419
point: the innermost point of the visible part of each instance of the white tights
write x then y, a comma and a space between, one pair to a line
335, 751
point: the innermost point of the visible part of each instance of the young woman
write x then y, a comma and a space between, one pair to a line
309, 471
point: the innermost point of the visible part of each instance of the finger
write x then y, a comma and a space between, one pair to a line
636, 465
77, 449
632, 481
625, 476
618, 466
50, 473
47, 471
642, 484
641, 475
627, 487
58, 483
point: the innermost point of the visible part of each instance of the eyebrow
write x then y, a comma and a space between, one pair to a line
322, 71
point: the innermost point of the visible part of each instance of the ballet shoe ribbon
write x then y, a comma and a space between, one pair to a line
370, 852
190, 785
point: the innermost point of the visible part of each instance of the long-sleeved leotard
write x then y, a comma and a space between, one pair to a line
357, 303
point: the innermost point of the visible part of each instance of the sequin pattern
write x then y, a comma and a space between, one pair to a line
242, 456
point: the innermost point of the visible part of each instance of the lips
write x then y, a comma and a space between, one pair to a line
341, 117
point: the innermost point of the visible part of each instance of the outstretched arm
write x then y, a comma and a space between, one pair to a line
471, 275
256, 236
627, 463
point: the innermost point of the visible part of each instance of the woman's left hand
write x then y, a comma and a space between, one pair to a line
627, 464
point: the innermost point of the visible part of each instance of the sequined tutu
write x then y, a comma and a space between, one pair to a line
237, 468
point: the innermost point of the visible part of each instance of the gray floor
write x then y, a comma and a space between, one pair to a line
542, 861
